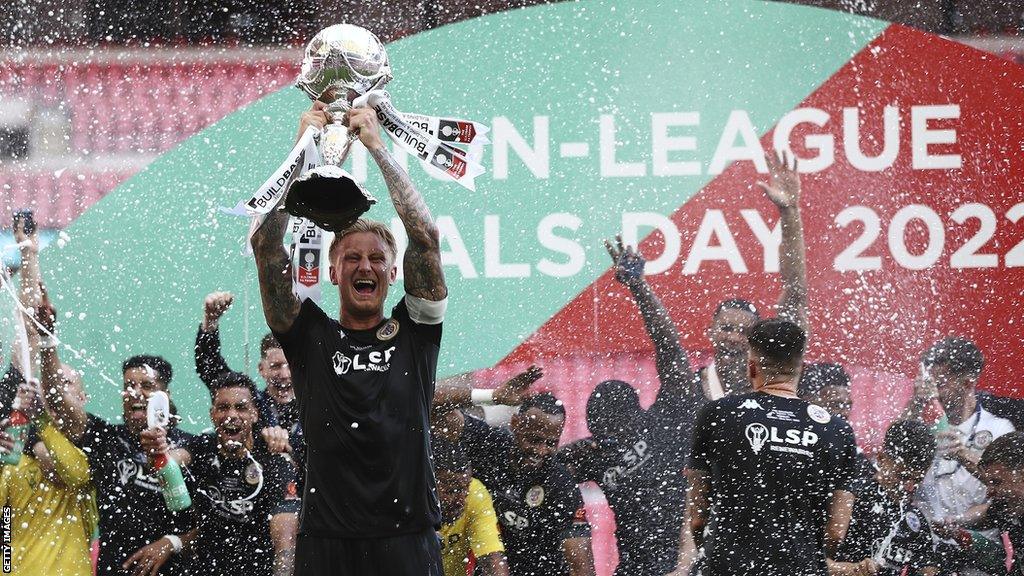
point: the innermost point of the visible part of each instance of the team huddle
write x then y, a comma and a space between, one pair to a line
355, 460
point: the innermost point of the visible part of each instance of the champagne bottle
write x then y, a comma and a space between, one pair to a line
933, 414
172, 483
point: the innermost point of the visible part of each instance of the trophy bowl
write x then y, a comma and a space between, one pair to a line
341, 63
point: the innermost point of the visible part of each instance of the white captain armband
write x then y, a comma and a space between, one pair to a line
481, 397
425, 311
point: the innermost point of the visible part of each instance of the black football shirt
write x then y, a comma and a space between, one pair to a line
773, 465
364, 407
895, 534
537, 509
641, 475
235, 499
132, 509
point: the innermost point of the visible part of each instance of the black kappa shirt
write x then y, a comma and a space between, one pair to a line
132, 509
773, 465
897, 537
537, 509
234, 501
364, 406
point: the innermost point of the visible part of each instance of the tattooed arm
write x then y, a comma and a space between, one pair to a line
424, 277
280, 305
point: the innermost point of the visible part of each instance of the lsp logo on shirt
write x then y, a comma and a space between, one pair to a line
758, 435
376, 361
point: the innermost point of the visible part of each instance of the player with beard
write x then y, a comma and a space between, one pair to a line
539, 506
770, 473
245, 516
952, 493
134, 521
888, 536
469, 527
364, 382
278, 410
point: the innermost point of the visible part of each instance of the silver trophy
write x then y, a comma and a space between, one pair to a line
342, 62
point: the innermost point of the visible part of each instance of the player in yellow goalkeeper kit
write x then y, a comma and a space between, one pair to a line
469, 528
52, 503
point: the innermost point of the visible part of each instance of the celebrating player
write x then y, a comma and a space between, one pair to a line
364, 382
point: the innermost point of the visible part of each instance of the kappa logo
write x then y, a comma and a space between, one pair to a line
751, 404
376, 361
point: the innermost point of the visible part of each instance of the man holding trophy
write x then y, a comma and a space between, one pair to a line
364, 382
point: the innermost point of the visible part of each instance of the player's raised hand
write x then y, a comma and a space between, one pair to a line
511, 393
783, 186
629, 264
214, 306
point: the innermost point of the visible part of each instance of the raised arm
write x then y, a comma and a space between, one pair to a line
783, 189
424, 276
70, 462
672, 363
31, 294
210, 362
273, 266
457, 391
63, 395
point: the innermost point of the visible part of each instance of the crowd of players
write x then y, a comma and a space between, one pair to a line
745, 466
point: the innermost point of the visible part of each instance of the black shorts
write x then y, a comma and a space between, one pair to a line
406, 555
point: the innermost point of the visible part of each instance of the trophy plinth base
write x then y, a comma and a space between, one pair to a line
330, 197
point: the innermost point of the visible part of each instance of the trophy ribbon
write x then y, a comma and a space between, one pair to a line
441, 158
306, 256
303, 157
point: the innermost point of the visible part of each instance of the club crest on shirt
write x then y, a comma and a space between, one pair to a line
818, 414
253, 474
982, 439
388, 331
535, 496
913, 522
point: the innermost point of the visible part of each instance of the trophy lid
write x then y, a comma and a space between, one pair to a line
344, 57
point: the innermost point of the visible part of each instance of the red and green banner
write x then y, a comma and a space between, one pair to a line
638, 118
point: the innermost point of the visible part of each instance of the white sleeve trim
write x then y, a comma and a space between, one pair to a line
426, 311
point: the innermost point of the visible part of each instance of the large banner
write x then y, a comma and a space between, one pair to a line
638, 118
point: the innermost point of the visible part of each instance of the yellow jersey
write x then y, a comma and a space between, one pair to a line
475, 531
51, 525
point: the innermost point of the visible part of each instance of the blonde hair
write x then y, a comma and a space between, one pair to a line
364, 225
